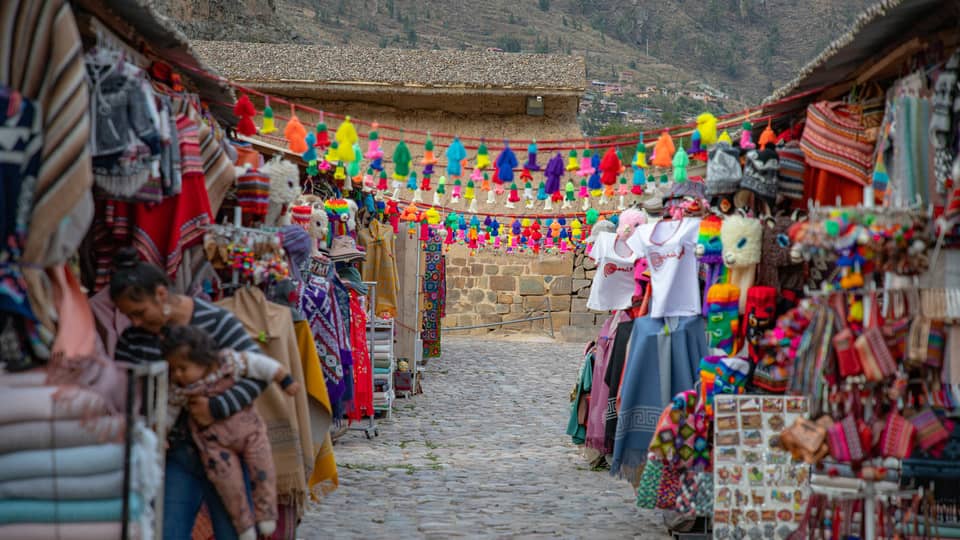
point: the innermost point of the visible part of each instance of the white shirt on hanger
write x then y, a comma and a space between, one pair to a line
670, 248
613, 282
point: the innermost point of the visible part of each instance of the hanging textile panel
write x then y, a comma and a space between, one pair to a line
434, 289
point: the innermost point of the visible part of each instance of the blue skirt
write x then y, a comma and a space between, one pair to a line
663, 360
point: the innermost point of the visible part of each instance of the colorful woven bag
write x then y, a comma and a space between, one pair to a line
836, 140
649, 484
930, 430
897, 438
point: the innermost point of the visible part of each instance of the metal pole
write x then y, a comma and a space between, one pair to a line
549, 316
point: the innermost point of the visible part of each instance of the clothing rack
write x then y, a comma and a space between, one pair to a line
370, 428
154, 380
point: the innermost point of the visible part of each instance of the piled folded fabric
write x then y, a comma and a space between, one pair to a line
61, 465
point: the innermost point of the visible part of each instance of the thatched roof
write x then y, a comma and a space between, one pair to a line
876, 32
392, 68
139, 23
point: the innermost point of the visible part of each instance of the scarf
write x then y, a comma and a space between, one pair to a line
287, 419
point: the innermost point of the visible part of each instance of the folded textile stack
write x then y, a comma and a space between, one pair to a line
61, 465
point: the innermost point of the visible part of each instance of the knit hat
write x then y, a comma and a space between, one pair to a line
630, 219
300, 215
761, 173
297, 245
344, 248
709, 239
723, 170
723, 316
792, 168
601, 226
253, 192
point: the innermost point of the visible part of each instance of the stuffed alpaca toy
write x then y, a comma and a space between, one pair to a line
742, 238
284, 189
319, 226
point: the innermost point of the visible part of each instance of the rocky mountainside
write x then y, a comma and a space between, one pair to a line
745, 48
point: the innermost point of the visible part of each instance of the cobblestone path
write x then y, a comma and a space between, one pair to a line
481, 453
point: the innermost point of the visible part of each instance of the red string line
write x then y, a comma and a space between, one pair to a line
493, 148
578, 142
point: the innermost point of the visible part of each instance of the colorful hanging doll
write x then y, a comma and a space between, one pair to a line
369, 184
532, 157
725, 137
456, 154
586, 163
245, 111
570, 197
707, 129
483, 156
346, 137
594, 184
767, 137
609, 167
428, 157
506, 162
323, 135
413, 186
542, 191
514, 196
269, 123
680, 162
455, 194
374, 152
382, 181
296, 135
470, 196
528, 196
710, 252
663, 151
441, 190
639, 164
572, 164
622, 193
746, 137
554, 172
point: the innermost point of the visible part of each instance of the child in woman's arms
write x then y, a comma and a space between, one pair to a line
198, 369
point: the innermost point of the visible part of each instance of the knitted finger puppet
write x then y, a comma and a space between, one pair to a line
532, 164
245, 111
723, 317
663, 151
483, 156
456, 154
742, 239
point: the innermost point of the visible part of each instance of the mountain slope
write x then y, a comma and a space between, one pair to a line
744, 47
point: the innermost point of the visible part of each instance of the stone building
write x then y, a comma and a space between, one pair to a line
466, 93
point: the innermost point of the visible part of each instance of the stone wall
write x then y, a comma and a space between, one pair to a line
495, 287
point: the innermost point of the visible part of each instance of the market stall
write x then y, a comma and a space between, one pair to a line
779, 361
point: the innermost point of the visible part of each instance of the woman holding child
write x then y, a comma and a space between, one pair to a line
141, 291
